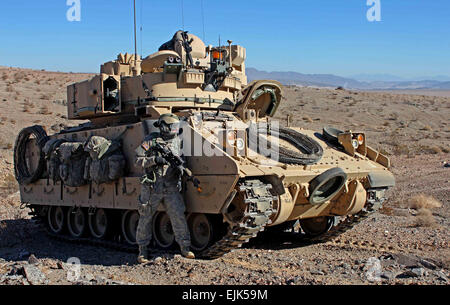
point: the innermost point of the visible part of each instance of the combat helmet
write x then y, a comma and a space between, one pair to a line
168, 124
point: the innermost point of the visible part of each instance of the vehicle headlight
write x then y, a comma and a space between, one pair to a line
231, 138
360, 139
240, 144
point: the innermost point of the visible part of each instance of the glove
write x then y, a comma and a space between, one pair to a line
160, 160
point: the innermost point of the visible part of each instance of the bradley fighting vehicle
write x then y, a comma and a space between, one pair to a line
83, 183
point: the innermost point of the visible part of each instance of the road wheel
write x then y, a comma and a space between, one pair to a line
99, 224
76, 222
130, 220
56, 219
162, 229
317, 225
201, 230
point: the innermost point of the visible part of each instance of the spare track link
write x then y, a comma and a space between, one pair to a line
346, 223
259, 201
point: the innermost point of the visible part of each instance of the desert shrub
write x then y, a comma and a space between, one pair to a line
5, 145
429, 149
401, 149
44, 110
435, 149
28, 103
383, 151
45, 97
18, 76
394, 116
307, 119
387, 211
9, 185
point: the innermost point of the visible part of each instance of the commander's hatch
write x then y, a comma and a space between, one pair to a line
263, 96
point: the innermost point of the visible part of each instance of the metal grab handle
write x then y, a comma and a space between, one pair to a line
99, 193
130, 193
71, 192
124, 188
50, 191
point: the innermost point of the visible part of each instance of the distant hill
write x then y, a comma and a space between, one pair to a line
365, 77
444, 86
330, 80
376, 77
423, 84
295, 78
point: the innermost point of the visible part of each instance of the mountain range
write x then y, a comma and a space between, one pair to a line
362, 81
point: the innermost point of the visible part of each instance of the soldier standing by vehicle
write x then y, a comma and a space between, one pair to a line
161, 183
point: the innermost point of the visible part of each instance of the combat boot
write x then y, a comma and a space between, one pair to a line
186, 252
143, 255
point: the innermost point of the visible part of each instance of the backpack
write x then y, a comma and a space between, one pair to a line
51, 154
106, 162
72, 163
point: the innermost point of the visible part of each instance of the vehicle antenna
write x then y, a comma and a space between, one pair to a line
182, 14
135, 40
141, 29
203, 20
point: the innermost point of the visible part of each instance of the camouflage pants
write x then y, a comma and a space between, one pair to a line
174, 206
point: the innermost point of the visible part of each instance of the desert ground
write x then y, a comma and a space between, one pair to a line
428, 92
406, 242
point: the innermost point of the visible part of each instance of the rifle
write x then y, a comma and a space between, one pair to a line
188, 48
177, 162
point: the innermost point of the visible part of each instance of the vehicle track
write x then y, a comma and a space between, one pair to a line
258, 200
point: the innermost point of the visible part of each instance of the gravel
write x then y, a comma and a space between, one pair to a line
407, 253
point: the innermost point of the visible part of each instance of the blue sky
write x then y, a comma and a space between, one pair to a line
307, 36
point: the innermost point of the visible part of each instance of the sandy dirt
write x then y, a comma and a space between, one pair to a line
429, 92
405, 242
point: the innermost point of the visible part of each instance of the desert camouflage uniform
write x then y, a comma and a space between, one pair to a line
161, 185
